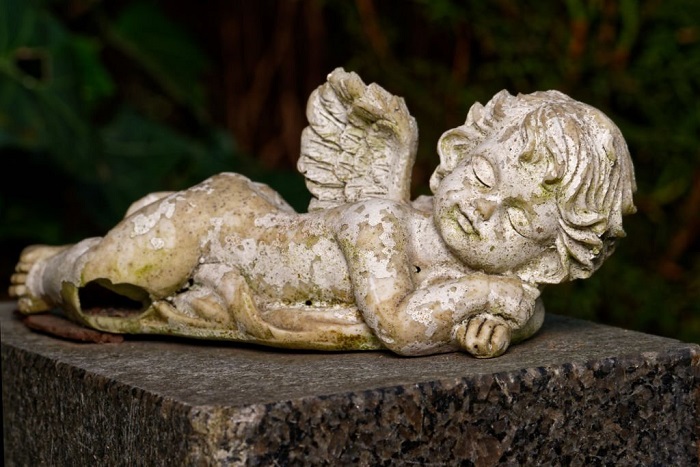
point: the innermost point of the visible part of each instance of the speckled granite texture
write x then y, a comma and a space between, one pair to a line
576, 394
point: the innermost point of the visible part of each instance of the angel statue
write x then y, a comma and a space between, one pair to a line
529, 191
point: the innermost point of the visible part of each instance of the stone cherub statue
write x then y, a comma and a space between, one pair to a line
531, 190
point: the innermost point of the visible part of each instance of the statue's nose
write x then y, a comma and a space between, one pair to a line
485, 208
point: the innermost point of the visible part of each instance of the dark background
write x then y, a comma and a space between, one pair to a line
102, 102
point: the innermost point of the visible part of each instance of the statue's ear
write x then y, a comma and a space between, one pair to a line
452, 147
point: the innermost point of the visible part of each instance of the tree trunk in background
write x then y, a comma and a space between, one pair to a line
271, 59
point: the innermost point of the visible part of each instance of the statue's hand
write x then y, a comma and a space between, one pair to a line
509, 306
483, 335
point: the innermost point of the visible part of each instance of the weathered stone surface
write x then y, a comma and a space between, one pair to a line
577, 393
530, 191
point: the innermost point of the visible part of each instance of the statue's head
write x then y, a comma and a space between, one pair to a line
533, 185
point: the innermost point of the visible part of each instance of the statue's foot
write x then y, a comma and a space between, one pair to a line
483, 336
30, 256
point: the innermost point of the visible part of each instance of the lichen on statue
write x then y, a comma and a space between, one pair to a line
530, 191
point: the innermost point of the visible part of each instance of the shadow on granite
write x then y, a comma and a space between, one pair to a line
578, 393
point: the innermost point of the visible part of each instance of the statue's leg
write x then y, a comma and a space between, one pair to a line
219, 304
36, 283
146, 200
217, 298
120, 271
159, 245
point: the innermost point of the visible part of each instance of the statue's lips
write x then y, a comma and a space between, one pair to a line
464, 221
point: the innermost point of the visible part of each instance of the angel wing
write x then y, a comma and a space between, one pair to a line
360, 143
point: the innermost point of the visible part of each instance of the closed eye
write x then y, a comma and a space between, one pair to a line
520, 220
483, 171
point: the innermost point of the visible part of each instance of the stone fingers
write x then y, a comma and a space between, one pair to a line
483, 336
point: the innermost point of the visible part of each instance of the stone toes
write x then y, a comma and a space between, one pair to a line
31, 253
34, 253
23, 266
18, 278
16, 291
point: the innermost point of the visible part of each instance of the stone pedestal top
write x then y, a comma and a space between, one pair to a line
576, 392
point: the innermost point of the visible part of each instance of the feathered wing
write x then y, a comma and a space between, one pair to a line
360, 143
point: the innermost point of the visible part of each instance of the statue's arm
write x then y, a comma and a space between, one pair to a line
374, 242
415, 321
479, 313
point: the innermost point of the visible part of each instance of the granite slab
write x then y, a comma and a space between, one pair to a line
578, 393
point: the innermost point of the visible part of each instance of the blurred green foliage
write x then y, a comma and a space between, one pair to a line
69, 135
101, 103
